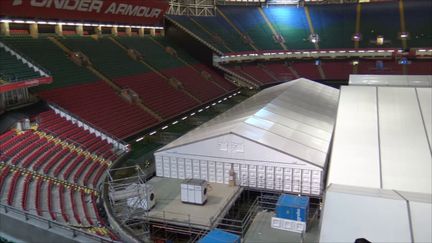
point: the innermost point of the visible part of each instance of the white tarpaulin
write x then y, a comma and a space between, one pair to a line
377, 215
383, 138
278, 139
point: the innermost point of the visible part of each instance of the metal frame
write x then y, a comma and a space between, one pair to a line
192, 7
128, 216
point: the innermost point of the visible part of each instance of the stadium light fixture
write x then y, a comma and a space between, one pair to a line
164, 127
152, 133
404, 35
175, 122
314, 38
356, 37
139, 139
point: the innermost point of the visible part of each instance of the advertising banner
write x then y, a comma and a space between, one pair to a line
138, 12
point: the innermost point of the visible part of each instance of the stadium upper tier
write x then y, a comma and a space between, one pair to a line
13, 70
48, 55
240, 28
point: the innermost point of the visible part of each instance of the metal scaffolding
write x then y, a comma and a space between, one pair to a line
126, 203
192, 7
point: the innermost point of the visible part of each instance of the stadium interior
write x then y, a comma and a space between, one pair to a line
85, 103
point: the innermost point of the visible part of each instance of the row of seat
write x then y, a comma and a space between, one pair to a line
51, 123
49, 197
292, 25
267, 73
13, 70
45, 53
97, 104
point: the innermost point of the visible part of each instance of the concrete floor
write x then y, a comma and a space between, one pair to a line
260, 231
169, 205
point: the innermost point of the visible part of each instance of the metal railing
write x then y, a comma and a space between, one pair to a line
66, 231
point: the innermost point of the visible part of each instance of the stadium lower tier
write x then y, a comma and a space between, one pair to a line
57, 178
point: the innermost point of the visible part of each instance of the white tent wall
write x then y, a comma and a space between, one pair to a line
278, 140
378, 215
255, 165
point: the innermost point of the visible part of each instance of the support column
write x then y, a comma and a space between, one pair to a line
141, 32
152, 31
98, 30
59, 30
34, 31
79, 30
162, 32
114, 31
4, 29
129, 31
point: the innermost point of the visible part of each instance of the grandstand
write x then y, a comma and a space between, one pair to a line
84, 94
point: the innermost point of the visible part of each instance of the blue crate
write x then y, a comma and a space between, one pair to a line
219, 236
293, 207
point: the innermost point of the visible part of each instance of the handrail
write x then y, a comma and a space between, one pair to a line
27, 58
100, 130
52, 224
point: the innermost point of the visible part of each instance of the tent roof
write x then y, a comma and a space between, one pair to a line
382, 138
296, 118
378, 215
391, 80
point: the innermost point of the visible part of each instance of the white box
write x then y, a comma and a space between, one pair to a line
194, 191
288, 225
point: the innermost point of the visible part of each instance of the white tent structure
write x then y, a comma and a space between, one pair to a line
377, 215
391, 80
277, 140
383, 138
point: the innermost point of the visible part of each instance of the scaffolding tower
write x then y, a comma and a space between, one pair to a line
127, 194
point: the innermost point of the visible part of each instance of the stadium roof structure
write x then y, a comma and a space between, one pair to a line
383, 138
295, 119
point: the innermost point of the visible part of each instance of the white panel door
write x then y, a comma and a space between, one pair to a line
316, 182
159, 166
252, 175
287, 180
166, 166
296, 184
173, 162
306, 181
204, 170
270, 177
196, 173
212, 171
237, 173
261, 176
219, 172
188, 168
244, 172
278, 178
181, 168
227, 167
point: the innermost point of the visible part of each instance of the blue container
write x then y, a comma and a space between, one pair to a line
292, 207
219, 236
